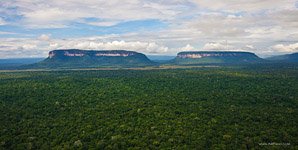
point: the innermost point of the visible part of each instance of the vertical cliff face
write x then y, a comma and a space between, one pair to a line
91, 53
198, 57
74, 58
213, 54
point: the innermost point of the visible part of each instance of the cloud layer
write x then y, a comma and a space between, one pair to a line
266, 27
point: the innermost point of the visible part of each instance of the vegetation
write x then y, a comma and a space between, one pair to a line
14, 63
198, 108
289, 58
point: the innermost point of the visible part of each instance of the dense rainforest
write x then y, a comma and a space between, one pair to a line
253, 107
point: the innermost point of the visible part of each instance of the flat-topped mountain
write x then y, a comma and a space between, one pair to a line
57, 54
290, 58
75, 58
215, 57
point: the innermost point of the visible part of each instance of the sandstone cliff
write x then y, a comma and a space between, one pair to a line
215, 57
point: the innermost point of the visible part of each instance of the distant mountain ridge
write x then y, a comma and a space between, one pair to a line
14, 63
75, 58
215, 57
290, 58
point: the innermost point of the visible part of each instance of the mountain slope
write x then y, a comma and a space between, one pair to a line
215, 57
74, 58
14, 63
291, 58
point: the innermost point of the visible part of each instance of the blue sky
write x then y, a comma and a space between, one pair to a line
31, 28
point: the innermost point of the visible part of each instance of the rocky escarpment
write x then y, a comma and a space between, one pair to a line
75, 58
213, 54
200, 57
91, 53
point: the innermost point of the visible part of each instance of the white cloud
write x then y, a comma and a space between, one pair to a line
44, 37
58, 14
188, 47
51, 14
286, 18
29, 46
252, 25
40, 48
244, 5
102, 23
249, 47
286, 48
145, 47
54, 46
50, 17
16, 43
217, 46
2, 21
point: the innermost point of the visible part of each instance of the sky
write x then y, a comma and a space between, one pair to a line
31, 28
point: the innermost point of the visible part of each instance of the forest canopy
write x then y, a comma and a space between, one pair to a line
203, 108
